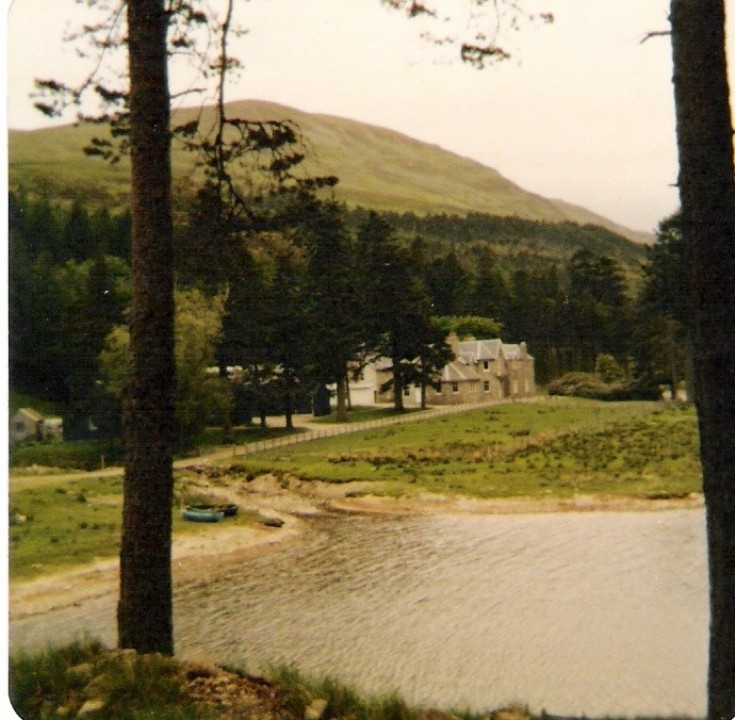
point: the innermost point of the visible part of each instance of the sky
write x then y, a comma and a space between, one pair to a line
582, 111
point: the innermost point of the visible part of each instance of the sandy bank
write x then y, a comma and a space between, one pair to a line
292, 501
425, 504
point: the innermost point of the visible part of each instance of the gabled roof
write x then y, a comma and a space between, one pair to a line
516, 352
30, 413
383, 364
479, 350
458, 371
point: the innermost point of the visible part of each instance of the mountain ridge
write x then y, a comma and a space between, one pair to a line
378, 168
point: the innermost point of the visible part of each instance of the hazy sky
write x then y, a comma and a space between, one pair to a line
583, 111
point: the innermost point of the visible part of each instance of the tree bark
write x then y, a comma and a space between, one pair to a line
707, 193
288, 405
342, 393
397, 384
145, 606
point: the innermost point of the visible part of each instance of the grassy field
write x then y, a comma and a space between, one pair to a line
72, 455
555, 448
56, 527
364, 414
243, 435
96, 454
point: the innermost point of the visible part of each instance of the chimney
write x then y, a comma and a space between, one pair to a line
453, 342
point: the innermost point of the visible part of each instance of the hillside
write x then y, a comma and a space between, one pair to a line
378, 169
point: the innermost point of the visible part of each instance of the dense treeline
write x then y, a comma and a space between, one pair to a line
513, 238
68, 285
305, 304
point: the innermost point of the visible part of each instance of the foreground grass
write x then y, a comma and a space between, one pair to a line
57, 527
556, 448
43, 683
61, 682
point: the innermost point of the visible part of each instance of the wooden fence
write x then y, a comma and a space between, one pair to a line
350, 427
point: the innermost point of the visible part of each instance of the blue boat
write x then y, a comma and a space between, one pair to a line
202, 514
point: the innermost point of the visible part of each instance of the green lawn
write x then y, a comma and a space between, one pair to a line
94, 454
364, 414
553, 448
56, 527
71, 455
243, 434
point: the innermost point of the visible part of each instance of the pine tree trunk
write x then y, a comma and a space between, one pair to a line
228, 430
397, 382
288, 402
707, 192
341, 409
145, 605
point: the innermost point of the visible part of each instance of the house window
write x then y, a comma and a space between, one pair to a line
486, 365
406, 391
455, 387
486, 386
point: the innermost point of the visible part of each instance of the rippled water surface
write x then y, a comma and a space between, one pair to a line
585, 613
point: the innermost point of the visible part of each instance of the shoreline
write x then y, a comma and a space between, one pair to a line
191, 552
463, 505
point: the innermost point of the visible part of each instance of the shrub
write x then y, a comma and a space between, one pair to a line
590, 386
53, 683
608, 369
582, 384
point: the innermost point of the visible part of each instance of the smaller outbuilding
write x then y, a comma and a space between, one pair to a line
27, 424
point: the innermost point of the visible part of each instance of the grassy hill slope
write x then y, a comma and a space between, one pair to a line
378, 169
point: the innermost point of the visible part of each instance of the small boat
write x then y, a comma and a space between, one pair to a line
229, 509
195, 513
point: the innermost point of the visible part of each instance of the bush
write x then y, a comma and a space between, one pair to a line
591, 386
588, 385
578, 384
608, 369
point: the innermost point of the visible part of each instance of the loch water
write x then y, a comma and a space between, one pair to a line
594, 613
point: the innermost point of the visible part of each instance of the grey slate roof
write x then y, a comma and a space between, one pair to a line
479, 350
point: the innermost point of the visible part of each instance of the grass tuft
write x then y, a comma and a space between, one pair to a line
58, 681
343, 701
